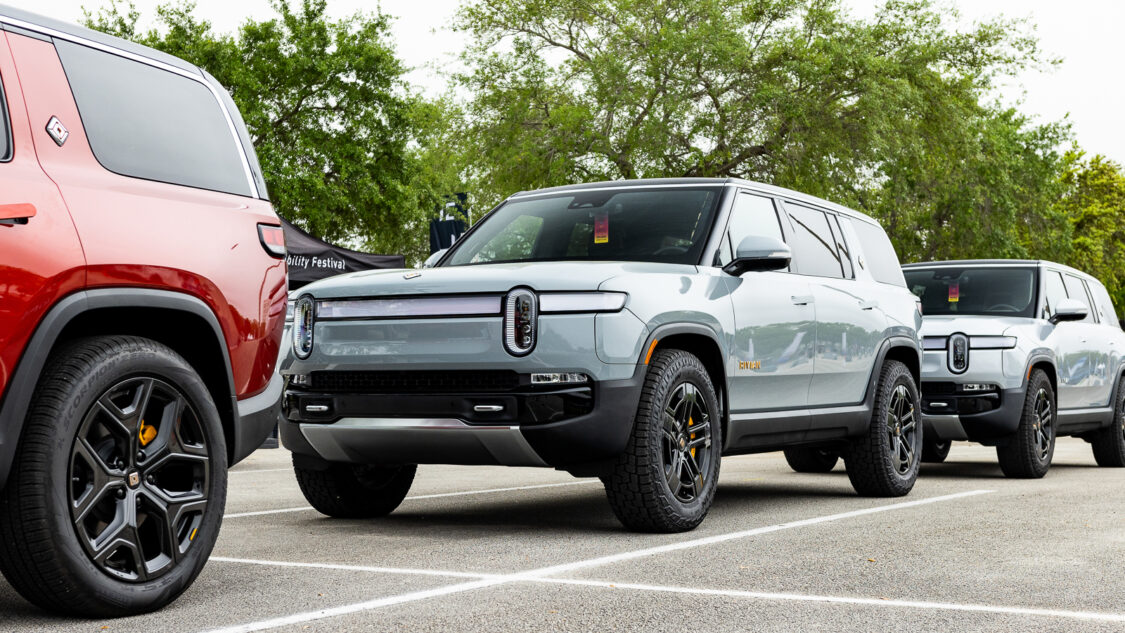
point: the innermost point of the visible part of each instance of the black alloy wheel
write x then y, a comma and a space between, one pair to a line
902, 428
139, 476
687, 446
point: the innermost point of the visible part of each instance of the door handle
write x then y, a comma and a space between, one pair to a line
11, 214
802, 300
868, 305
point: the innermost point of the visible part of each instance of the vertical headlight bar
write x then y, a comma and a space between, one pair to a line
304, 314
958, 353
520, 321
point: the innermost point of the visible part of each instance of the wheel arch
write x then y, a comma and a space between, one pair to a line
1047, 364
182, 322
700, 341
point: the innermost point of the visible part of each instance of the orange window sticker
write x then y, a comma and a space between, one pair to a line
954, 293
601, 228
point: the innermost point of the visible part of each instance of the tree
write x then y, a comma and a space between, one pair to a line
1094, 203
333, 121
887, 115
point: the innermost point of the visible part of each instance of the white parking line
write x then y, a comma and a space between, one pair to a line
876, 602
536, 575
237, 515
378, 570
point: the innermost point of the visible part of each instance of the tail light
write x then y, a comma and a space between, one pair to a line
273, 239
520, 321
958, 353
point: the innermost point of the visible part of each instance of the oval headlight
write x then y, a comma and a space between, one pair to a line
304, 312
958, 353
520, 321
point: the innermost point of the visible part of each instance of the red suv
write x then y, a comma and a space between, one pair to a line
142, 300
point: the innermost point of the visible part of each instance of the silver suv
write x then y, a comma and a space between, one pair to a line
634, 331
1018, 353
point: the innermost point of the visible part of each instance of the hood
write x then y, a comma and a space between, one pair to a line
487, 278
972, 325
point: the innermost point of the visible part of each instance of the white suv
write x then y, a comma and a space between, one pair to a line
1018, 353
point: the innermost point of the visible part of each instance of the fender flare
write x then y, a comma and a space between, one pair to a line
21, 386
889, 343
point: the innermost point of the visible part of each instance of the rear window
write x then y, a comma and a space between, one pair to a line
814, 245
149, 123
878, 256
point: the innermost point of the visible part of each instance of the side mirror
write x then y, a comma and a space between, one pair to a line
1069, 310
759, 252
432, 259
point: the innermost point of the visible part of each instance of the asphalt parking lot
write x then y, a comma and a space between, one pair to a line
508, 549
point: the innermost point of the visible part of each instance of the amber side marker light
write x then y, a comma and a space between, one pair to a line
651, 349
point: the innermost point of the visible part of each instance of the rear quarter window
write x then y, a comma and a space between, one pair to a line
5, 127
878, 255
145, 122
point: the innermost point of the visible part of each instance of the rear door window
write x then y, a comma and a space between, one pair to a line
814, 246
842, 247
1106, 309
1075, 289
146, 122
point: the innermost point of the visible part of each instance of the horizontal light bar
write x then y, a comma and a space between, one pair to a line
581, 302
557, 379
978, 387
975, 342
992, 342
934, 342
408, 308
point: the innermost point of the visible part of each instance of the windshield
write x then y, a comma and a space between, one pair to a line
625, 224
974, 290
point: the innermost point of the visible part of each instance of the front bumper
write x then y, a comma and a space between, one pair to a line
559, 427
978, 417
257, 417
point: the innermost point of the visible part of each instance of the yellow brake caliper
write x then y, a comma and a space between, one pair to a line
692, 436
147, 434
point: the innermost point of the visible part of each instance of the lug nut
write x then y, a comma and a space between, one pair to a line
120, 493
150, 480
140, 456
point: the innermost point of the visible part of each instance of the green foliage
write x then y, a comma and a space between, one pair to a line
334, 124
1094, 203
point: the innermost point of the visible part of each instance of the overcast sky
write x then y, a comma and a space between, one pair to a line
1088, 87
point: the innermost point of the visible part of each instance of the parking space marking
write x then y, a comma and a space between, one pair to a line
439, 495
377, 570
877, 602
537, 575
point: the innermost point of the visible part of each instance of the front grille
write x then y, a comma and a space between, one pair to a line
939, 388
406, 382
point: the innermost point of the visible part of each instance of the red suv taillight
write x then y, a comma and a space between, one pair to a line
273, 239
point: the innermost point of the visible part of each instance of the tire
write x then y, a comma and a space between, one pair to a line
90, 450
355, 491
665, 480
1109, 443
811, 460
1028, 453
934, 451
884, 462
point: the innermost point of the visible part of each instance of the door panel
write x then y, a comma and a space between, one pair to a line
849, 330
40, 255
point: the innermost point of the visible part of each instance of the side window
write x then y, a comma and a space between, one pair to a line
5, 127
814, 246
877, 255
1105, 305
150, 123
515, 242
1054, 291
842, 247
1075, 289
751, 215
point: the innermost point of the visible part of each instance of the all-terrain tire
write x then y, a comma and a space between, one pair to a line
41, 553
1024, 456
934, 451
355, 491
638, 487
1109, 443
878, 466
811, 460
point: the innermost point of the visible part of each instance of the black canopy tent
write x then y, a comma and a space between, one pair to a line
311, 259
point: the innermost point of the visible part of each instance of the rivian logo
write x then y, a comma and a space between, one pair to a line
412, 275
749, 364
